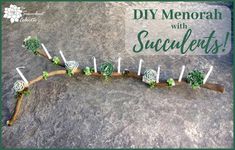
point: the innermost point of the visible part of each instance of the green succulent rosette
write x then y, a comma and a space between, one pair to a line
32, 44
195, 78
19, 86
106, 69
171, 82
149, 76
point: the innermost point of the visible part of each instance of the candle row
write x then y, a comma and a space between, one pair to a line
119, 67
181, 73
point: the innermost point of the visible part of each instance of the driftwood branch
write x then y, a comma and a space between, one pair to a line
126, 74
16, 110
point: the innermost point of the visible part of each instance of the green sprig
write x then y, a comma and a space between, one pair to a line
171, 82
45, 75
88, 71
152, 84
70, 72
26, 93
56, 60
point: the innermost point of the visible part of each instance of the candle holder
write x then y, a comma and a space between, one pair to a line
150, 76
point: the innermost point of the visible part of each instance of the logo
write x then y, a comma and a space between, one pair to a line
19, 14
13, 13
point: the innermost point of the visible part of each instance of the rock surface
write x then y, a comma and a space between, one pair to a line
87, 112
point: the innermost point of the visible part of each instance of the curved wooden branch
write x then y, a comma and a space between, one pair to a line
210, 86
126, 74
50, 74
17, 110
162, 84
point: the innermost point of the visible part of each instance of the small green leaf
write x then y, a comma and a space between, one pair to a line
170, 82
26, 93
17, 94
152, 84
45, 75
70, 72
56, 60
106, 78
88, 71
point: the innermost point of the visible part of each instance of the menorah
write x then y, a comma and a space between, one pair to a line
195, 78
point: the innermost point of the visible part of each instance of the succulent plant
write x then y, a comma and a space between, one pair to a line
149, 76
56, 60
88, 71
70, 72
70, 67
195, 78
19, 86
106, 69
32, 44
45, 75
152, 84
171, 82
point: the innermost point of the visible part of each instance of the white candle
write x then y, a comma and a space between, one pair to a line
208, 74
140, 64
21, 74
62, 55
95, 67
158, 74
45, 49
119, 64
181, 73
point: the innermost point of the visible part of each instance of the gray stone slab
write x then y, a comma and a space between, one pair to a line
87, 112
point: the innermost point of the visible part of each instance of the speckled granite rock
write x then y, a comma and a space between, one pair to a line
86, 112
